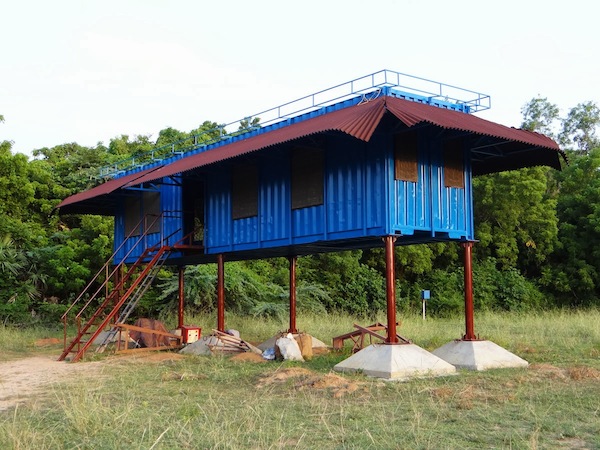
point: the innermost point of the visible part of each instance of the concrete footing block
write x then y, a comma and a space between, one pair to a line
478, 355
395, 362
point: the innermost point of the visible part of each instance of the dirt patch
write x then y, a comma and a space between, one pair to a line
583, 373
442, 393
49, 342
301, 378
248, 357
576, 373
548, 371
336, 385
24, 378
572, 443
156, 356
284, 375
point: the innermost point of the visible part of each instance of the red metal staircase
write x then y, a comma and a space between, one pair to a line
123, 287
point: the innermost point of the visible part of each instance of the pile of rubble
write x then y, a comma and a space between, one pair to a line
283, 346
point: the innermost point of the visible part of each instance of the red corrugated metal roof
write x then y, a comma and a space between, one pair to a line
358, 121
518, 148
412, 113
80, 202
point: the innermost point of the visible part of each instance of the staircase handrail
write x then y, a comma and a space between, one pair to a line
129, 252
103, 269
64, 317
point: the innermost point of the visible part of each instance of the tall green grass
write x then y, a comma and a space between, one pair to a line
19, 342
215, 402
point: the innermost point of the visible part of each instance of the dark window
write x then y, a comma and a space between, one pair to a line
146, 205
193, 208
307, 178
132, 216
151, 209
454, 166
406, 157
244, 192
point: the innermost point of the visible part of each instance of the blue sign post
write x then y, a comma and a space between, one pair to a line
425, 295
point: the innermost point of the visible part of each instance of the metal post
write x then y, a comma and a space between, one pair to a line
470, 333
106, 277
292, 260
220, 293
181, 296
117, 278
390, 285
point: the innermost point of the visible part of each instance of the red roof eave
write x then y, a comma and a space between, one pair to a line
360, 121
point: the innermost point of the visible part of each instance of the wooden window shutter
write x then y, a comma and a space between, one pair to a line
406, 157
454, 165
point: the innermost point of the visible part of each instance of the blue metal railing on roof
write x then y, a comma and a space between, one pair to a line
433, 92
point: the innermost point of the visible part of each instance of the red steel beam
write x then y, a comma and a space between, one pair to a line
220, 293
390, 285
181, 297
470, 333
292, 328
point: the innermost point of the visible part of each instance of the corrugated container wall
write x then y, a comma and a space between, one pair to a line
157, 211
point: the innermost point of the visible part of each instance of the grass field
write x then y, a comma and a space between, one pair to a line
168, 401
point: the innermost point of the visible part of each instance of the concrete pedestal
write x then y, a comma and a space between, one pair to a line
478, 355
395, 362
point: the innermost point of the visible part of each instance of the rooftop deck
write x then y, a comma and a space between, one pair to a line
353, 92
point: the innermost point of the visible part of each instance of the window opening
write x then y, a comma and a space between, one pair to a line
146, 204
244, 192
307, 178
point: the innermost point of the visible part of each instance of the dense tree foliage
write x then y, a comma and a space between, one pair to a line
538, 231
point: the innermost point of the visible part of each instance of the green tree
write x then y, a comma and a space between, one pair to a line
580, 125
540, 115
574, 273
515, 218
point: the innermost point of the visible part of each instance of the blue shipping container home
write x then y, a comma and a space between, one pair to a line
365, 164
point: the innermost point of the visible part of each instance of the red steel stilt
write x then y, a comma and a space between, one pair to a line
292, 329
220, 293
390, 285
181, 297
470, 333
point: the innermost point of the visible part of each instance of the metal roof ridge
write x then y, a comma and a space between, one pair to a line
405, 86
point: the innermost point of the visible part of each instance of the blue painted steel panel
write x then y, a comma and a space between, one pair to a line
344, 190
171, 223
375, 186
412, 201
450, 206
218, 211
274, 201
308, 222
245, 230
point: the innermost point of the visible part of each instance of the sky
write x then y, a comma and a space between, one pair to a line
88, 71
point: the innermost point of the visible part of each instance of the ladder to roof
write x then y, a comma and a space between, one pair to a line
129, 287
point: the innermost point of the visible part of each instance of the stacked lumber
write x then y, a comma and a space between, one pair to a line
226, 343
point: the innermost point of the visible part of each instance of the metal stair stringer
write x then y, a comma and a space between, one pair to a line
160, 256
108, 302
135, 298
